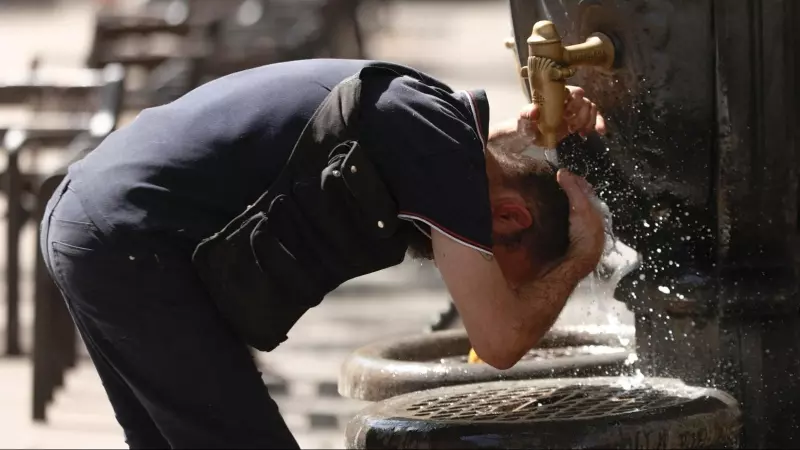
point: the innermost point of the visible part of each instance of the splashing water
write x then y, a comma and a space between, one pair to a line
617, 261
632, 382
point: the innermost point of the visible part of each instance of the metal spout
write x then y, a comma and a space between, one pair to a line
550, 63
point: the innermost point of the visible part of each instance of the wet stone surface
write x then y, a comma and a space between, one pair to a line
542, 354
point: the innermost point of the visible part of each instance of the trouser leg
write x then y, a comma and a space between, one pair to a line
150, 321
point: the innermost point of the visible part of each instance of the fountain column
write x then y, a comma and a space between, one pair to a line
701, 171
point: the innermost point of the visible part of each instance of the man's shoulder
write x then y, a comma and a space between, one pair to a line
432, 116
427, 142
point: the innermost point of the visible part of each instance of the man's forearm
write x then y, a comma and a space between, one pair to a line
541, 301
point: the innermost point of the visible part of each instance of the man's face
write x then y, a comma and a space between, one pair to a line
529, 218
515, 263
510, 216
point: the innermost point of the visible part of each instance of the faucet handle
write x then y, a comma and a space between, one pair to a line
544, 32
561, 73
550, 63
545, 42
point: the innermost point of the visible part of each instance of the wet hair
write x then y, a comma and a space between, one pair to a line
547, 239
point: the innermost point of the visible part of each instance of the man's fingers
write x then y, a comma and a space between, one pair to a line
574, 100
591, 121
580, 115
529, 112
578, 200
528, 117
573, 106
576, 92
600, 127
578, 123
585, 185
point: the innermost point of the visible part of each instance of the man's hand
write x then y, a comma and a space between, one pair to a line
585, 224
580, 116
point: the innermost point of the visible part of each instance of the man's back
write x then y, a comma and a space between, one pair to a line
186, 168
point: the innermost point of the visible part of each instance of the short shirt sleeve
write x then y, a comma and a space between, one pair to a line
428, 143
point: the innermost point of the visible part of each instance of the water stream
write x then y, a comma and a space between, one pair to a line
617, 261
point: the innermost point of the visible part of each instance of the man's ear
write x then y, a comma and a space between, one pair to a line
510, 216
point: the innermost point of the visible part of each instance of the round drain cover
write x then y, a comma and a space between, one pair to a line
601, 412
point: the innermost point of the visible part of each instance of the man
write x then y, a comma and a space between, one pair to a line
217, 220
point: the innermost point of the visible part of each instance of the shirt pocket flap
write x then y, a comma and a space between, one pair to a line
370, 192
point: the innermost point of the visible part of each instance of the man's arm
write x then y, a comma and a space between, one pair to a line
504, 322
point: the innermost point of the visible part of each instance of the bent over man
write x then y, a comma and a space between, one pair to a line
213, 223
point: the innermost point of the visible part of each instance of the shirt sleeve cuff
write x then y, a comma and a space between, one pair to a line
454, 236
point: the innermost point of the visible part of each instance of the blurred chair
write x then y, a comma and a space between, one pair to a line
53, 101
177, 45
55, 345
448, 319
157, 46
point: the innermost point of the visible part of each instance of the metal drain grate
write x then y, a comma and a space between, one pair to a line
526, 404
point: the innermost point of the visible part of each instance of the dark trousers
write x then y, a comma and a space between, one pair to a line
175, 374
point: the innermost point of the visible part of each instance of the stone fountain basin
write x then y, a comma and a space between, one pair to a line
398, 366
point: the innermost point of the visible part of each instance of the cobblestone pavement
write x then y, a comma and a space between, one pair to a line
460, 42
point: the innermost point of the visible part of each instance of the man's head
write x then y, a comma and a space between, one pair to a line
530, 214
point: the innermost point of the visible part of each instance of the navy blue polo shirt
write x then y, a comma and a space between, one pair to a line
187, 168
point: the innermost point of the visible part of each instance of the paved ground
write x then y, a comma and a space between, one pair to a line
460, 42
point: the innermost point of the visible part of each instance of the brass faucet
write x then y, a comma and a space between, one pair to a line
550, 63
